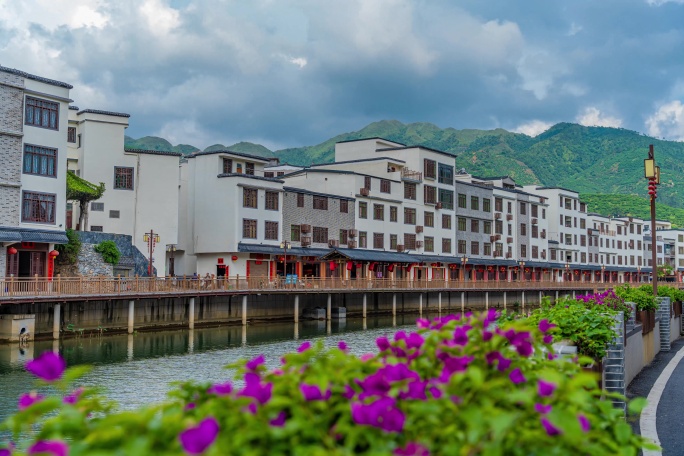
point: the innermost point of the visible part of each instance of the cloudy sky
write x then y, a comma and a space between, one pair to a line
288, 73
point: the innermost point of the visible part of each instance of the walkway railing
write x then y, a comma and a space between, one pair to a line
79, 286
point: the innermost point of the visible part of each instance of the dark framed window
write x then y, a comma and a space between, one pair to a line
429, 244
535, 252
227, 165
409, 191
446, 245
429, 218
320, 234
363, 239
535, 210
486, 205
300, 199
430, 169
295, 232
475, 203
393, 213
429, 194
462, 224
71, 134
385, 186
409, 241
523, 250
123, 178
446, 197
474, 226
498, 204
41, 113
114, 214
446, 174
344, 206
446, 221
249, 228
344, 237
97, 228
462, 246
272, 201
487, 227
498, 227
41, 161
271, 230
249, 197
394, 240
249, 169
535, 231
462, 202
523, 229
38, 207
523, 208
378, 212
474, 248
409, 216
97, 207
487, 249
321, 203
363, 209
367, 183
268, 174
378, 240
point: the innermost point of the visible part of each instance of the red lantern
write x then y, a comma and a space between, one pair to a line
12, 251
490, 268
54, 253
332, 265
349, 265
371, 267
234, 258
390, 268
409, 267
502, 269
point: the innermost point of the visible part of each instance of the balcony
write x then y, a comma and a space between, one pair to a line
410, 175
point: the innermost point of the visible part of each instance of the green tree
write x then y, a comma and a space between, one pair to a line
68, 253
84, 192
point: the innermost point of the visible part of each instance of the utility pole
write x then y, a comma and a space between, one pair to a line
151, 238
652, 173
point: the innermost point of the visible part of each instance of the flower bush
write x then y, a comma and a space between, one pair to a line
454, 386
675, 294
641, 296
608, 299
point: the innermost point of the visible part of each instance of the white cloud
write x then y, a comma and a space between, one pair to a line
662, 2
538, 70
593, 117
160, 18
533, 128
667, 122
574, 29
299, 61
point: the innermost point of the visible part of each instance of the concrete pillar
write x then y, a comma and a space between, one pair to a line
244, 335
244, 310
131, 316
129, 347
462, 303
486, 300
191, 341
56, 319
420, 304
541, 295
365, 324
573, 294
523, 302
365, 306
556, 295
504, 297
328, 312
191, 314
328, 327
296, 309
394, 304
55, 346
439, 302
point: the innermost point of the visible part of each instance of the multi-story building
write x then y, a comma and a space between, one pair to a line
33, 152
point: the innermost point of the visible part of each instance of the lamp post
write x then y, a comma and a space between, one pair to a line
639, 274
171, 248
464, 261
603, 270
567, 271
522, 270
285, 245
652, 173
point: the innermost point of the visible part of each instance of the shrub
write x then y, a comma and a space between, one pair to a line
607, 299
109, 251
455, 386
675, 294
68, 253
641, 296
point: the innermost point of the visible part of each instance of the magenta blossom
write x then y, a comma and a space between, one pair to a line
26, 400
382, 414
342, 345
548, 338
48, 366
412, 449
314, 393
516, 376
366, 356
304, 347
49, 447
383, 343
545, 325
221, 389
584, 423
278, 421
461, 335
548, 427
423, 323
545, 389
74, 396
253, 364
256, 389
543, 409
198, 438
7, 451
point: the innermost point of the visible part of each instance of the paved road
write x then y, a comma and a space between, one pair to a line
670, 409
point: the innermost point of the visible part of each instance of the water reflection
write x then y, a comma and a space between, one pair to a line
136, 369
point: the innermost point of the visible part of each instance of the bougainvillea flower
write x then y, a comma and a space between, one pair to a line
49, 447
7, 451
516, 376
415, 390
584, 423
198, 438
453, 364
548, 427
412, 449
256, 389
490, 317
304, 347
382, 414
26, 400
49, 366
366, 356
545, 325
342, 345
545, 389
414, 340
492, 356
504, 363
348, 392
278, 421
423, 323
487, 335
314, 393
253, 364
221, 389
383, 343
543, 409
74, 396
436, 392
548, 338
190, 406
461, 336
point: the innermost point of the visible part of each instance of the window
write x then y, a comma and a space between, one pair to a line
393, 241
363, 209
71, 134
475, 203
535, 231
583, 241
367, 183
487, 249
487, 227
41, 113
523, 229
583, 225
97, 207
446, 221
429, 244
486, 205
510, 207
535, 210
499, 249
474, 248
409, 191
249, 229
300, 199
295, 232
40, 160
429, 194
344, 237
97, 228
344, 206
462, 201
38, 207
498, 204
385, 186
409, 216
249, 197
227, 166
271, 230
474, 226
238, 168
429, 169
446, 197
249, 169
268, 174
363, 239
123, 178
378, 212
446, 245
462, 246
114, 214
523, 250
535, 253
510, 229
523, 208
462, 221
544, 214
409, 241
498, 227
271, 201
446, 174
321, 203
394, 213
378, 241
320, 235
429, 219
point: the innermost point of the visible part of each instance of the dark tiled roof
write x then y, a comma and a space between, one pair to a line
369, 255
557, 188
106, 113
32, 235
153, 152
360, 160
276, 250
36, 78
309, 192
366, 139
9, 235
73, 108
239, 154
491, 177
448, 154
249, 176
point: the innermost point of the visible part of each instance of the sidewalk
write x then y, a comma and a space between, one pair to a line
663, 379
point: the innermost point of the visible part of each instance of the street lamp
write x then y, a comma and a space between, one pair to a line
603, 270
652, 173
285, 245
567, 271
522, 269
639, 274
171, 248
464, 261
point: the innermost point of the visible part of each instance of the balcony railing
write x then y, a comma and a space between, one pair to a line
408, 174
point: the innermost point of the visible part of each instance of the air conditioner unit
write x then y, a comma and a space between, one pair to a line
351, 244
497, 237
438, 205
492, 238
419, 228
333, 243
353, 233
497, 215
364, 191
534, 221
306, 241
543, 234
509, 255
509, 216
419, 244
543, 254
400, 247
509, 239
306, 228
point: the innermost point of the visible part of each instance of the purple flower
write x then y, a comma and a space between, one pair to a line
453, 364
304, 347
436, 392
197, 439
422, 323
74, 396
545, 325
460, 336
548, 427
543, 409
26, 400
342, 345
548, 338
221, 389
504, 363
490, 317
256, 389
414, 340
584, 423
50, 447
382, 342
348, 392
48, 366
516, 376
366, 356
313, 393
190, 406
382, 414
415, 390
545, 389
278, 421
253, 364
412, 449
7, 451
487, 335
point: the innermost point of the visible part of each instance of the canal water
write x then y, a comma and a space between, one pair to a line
137, 369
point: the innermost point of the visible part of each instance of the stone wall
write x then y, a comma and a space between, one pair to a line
131, 256
332, 219
91, 264
11, 128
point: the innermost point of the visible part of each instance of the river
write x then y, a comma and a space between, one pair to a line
137, 369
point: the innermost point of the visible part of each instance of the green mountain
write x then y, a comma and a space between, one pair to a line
155, 143
245, 147
632, 206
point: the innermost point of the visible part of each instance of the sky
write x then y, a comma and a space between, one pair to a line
290, 73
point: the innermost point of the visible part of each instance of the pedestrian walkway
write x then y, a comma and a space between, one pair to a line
662, 382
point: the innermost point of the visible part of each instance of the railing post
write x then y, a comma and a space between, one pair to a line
364, 305
35, 284
11, 288
394, 304
59, 283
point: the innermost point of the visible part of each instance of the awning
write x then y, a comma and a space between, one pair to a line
368, 255
9, 236
276, 250
17, 234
